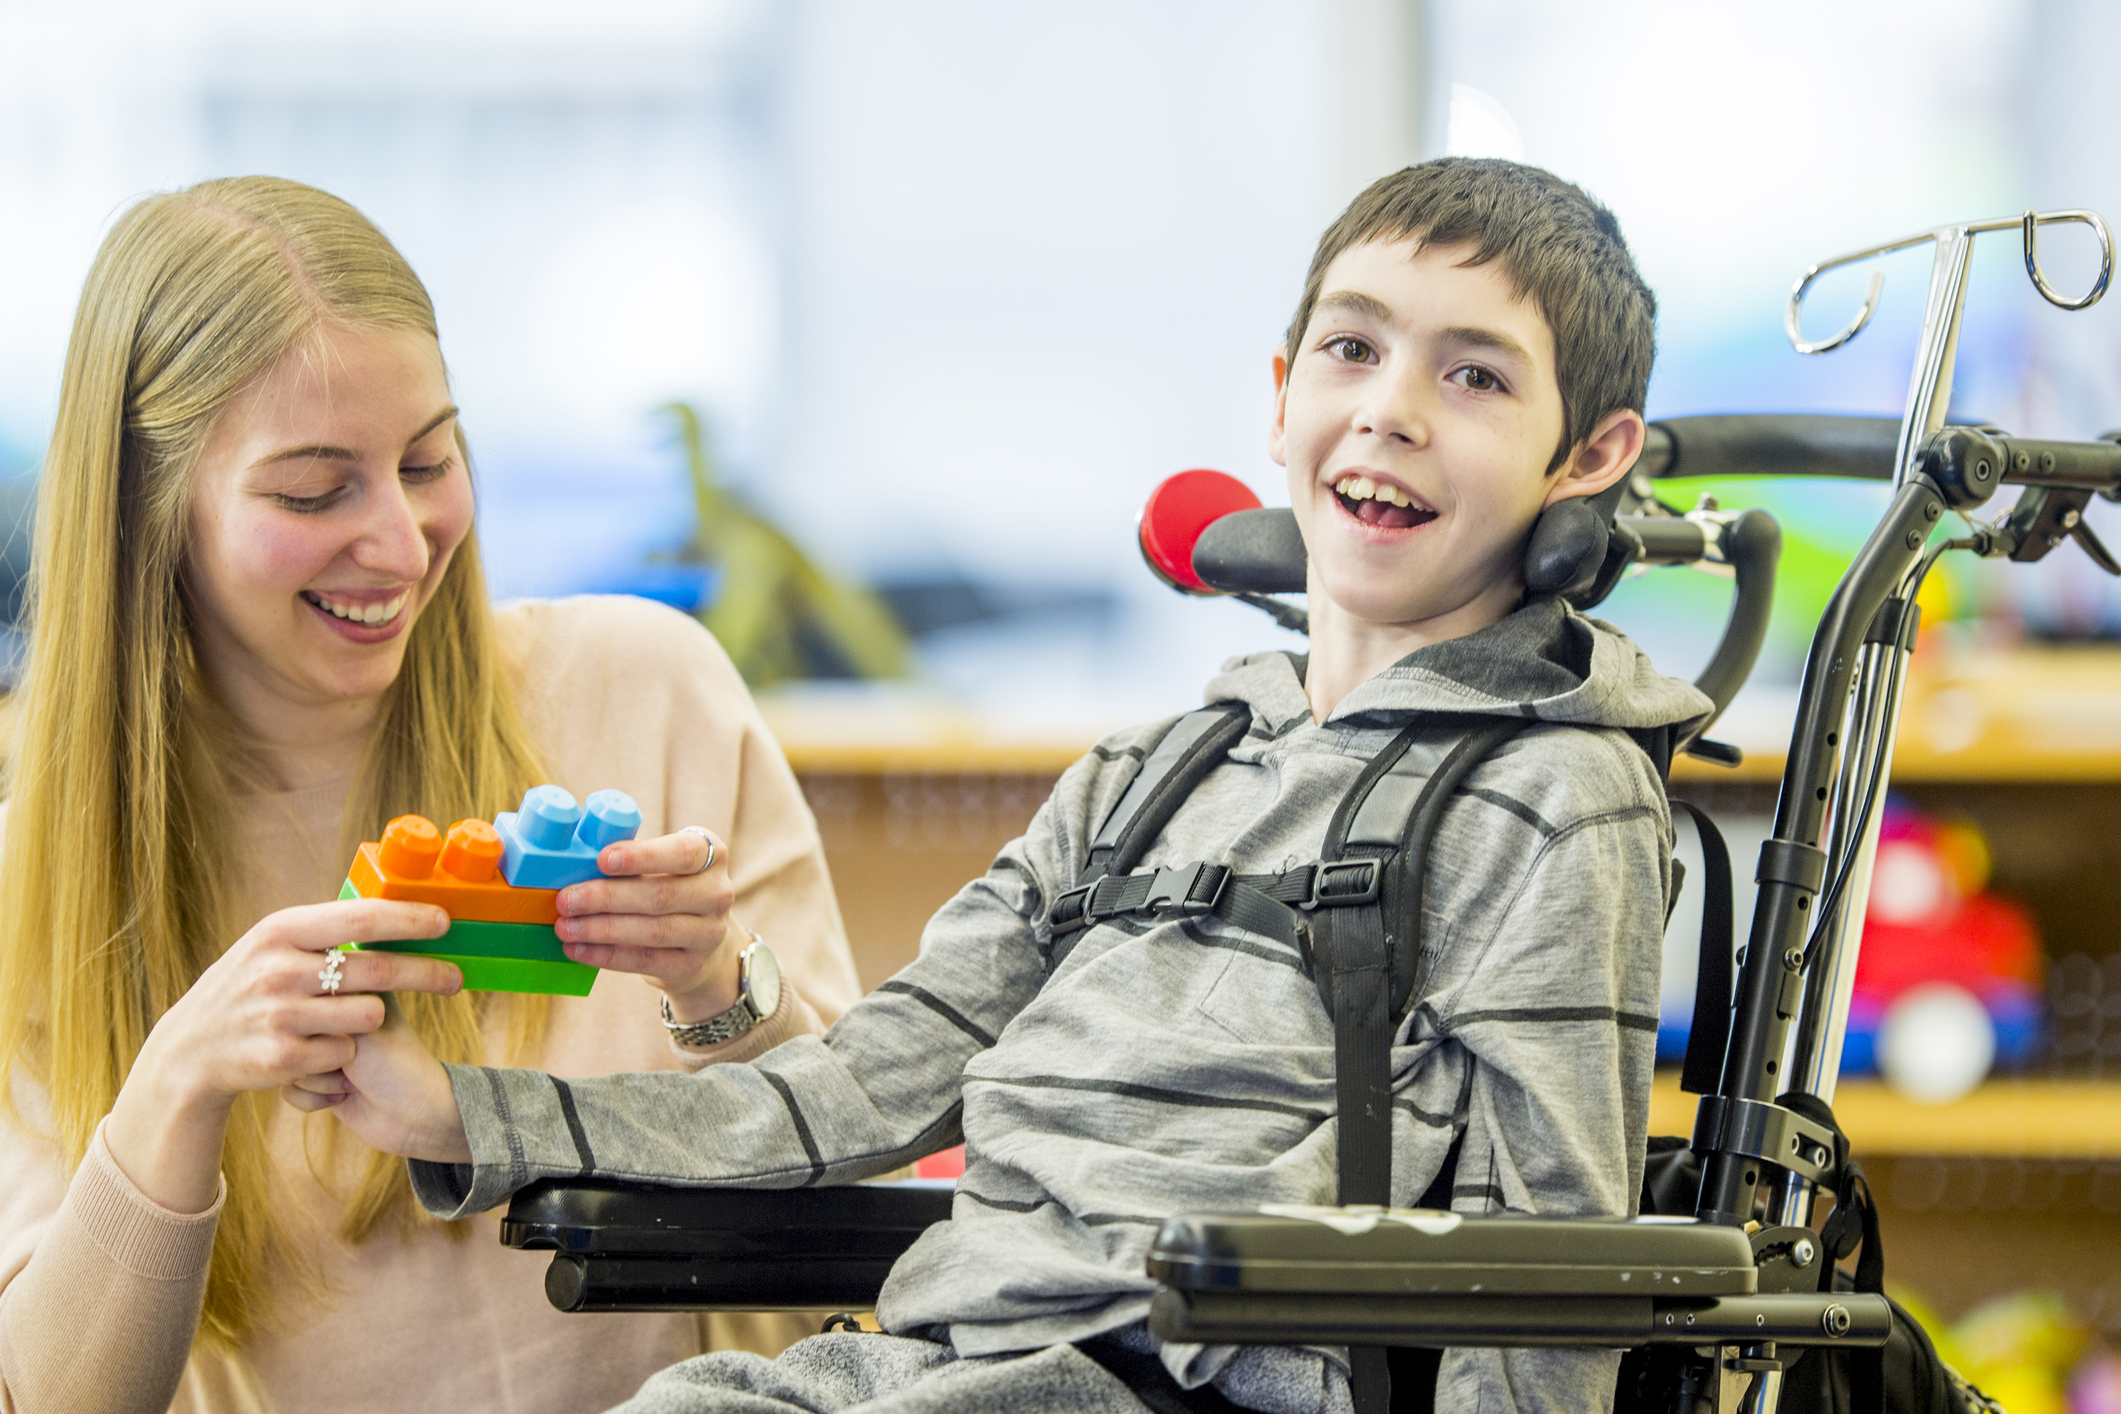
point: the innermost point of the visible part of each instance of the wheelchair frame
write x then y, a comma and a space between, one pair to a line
1738, 1281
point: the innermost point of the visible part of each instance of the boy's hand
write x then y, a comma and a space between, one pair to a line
664, 914
392, 1093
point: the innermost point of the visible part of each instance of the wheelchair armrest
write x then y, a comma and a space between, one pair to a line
641, 1247
1370, 1276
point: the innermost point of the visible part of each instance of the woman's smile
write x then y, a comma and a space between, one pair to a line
361, 615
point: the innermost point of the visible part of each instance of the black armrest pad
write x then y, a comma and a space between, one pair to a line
639, 1247
1355, 1251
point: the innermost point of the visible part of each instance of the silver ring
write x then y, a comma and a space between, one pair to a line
701, 831
330, 975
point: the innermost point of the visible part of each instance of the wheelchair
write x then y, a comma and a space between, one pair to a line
1734, 1279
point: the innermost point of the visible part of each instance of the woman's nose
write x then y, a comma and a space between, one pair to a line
393, 539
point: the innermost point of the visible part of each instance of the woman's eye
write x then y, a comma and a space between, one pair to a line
434, 471
1352, 349
308, 505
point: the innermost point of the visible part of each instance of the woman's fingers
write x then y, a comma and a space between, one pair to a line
331, 1082
644, 930
682, 853
663, 964
309, 1102
320, 927
367, 971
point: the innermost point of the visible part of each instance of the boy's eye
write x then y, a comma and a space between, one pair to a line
1479, 379
1352, 349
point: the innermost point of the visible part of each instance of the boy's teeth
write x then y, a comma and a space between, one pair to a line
1362, 488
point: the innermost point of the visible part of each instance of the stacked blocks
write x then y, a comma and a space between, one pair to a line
500, 889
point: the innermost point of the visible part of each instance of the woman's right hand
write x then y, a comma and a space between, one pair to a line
258, 1019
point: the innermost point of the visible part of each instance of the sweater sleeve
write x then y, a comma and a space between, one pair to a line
881, 1089
102, 1287
1558, 1019
623, 692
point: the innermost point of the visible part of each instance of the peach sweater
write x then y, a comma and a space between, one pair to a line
102, 1286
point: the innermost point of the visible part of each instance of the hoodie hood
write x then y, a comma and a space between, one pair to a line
1545, 661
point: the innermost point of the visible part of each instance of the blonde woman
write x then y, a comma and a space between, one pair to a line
260, 631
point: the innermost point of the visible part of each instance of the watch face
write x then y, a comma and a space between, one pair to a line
762, 980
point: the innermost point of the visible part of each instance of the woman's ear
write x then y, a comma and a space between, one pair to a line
1602, 458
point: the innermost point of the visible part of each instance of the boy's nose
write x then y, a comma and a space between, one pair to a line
1396, 409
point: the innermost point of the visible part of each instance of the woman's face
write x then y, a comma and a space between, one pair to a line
328, 501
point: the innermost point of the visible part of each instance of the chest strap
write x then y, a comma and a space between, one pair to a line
1268, 904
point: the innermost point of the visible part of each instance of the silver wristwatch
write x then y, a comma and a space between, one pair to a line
758, 996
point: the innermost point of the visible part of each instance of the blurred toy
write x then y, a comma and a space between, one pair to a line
1941, 957
2095, 1385
2021, 1350
499, 883
774, 608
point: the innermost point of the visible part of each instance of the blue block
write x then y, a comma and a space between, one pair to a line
552, 842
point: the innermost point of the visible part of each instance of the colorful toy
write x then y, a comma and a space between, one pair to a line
552, 842
500, 932
1931, 925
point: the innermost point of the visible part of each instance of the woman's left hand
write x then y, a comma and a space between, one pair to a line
663, 916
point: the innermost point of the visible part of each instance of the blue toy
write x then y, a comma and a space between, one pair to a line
552, 842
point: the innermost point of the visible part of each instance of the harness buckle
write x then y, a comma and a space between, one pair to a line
1344, 883
1070, 911
1190, 890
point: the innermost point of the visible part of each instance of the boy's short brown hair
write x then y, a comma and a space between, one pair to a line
1558, 245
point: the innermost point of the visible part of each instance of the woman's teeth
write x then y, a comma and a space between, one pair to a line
1362, 488
381, 613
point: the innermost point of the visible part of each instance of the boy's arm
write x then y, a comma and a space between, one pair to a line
880, 1089
1558, 1015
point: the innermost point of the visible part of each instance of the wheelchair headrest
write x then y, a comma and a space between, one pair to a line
1204, 532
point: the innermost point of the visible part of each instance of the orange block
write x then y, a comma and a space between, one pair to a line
413, 862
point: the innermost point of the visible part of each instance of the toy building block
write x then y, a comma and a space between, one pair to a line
462, 873
496, 957
552, 842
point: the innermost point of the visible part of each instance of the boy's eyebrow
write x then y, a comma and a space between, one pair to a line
1356, 302
1488, 339
344, 454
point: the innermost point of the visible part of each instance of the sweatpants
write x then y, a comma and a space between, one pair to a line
883, 1374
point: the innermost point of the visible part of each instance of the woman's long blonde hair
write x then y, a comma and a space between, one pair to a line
117, 869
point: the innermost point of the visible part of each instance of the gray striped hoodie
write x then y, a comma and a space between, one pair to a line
1184, 1065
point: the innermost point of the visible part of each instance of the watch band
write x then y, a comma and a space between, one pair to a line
758, 997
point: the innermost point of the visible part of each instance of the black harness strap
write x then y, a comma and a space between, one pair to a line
1713, 998
1193, 746
1363, 935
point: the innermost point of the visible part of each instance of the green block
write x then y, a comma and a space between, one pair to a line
497, 957
512, 974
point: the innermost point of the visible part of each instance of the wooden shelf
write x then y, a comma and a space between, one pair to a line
2048, 1119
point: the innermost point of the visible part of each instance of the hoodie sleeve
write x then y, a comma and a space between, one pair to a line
880, 1089
1555, 1010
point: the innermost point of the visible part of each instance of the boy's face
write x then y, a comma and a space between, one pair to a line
1417, 419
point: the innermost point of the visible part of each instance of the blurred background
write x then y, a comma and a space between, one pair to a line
946, 288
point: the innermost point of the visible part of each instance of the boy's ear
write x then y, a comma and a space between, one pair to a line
1602, 458
1281, 405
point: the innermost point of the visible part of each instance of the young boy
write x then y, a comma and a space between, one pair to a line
1472, 346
